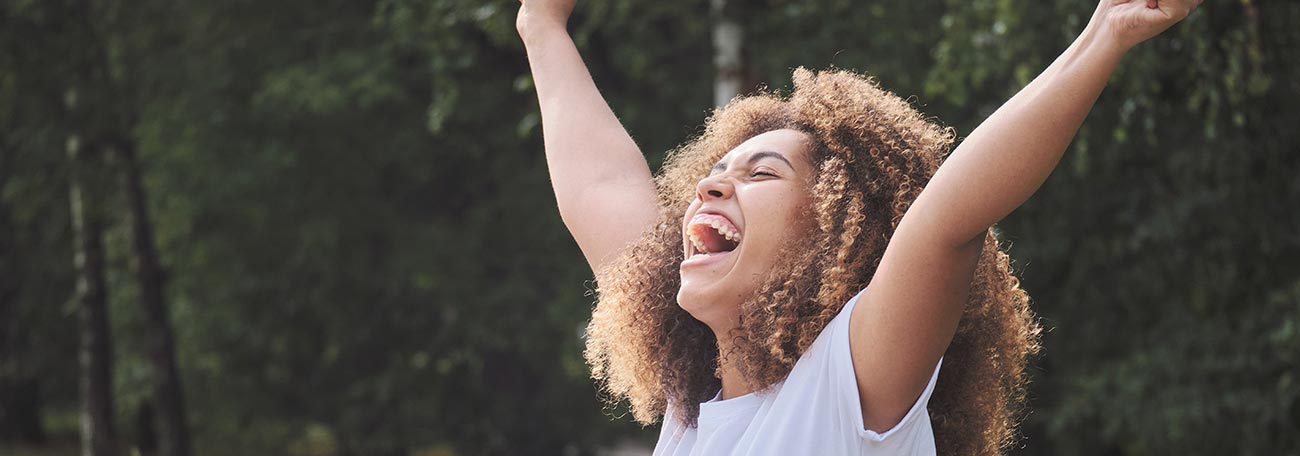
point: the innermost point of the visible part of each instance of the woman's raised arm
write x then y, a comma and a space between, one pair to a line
602, 183
1009, 156
915, 299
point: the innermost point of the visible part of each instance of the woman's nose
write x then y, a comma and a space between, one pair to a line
714, 187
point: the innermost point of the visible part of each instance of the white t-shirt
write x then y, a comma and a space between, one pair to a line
814, 411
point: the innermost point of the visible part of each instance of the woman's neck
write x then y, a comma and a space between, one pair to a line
733, 383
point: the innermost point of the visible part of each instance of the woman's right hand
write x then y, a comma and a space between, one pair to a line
543, 13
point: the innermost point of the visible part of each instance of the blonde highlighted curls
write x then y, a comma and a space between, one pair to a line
873, 154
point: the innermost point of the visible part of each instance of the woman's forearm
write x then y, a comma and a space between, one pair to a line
1009, 156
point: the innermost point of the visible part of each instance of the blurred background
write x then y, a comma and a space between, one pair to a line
326, 228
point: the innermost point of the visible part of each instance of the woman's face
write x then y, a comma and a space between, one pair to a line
743, 214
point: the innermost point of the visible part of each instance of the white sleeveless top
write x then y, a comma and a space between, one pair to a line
814, 411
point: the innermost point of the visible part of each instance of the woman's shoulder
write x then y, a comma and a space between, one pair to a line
824, 378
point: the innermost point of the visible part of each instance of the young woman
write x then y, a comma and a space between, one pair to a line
805, 278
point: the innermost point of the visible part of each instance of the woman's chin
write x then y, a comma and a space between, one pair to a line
696, 292
706, 303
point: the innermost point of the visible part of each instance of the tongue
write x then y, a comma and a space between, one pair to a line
713, 240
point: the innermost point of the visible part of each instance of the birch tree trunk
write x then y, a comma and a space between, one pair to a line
96, 383
728, 66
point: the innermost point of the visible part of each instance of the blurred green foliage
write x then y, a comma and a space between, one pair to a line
365, 257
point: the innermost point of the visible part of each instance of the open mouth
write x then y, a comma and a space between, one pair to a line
712, 234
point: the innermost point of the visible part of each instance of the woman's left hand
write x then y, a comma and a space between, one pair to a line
1130, 22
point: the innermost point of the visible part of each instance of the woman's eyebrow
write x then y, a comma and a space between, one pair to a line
719, 166
769, 154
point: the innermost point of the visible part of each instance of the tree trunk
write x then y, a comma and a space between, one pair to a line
728, 66
97, 435
20, 411
146, 436
20, 399
168, 395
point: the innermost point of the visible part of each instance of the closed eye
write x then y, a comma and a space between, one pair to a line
762, 173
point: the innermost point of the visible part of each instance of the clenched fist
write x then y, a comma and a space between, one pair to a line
543, 13
1130, 22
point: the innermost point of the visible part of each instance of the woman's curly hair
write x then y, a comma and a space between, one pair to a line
873, 154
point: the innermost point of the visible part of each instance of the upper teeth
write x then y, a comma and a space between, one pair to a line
725, 229
699, 246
